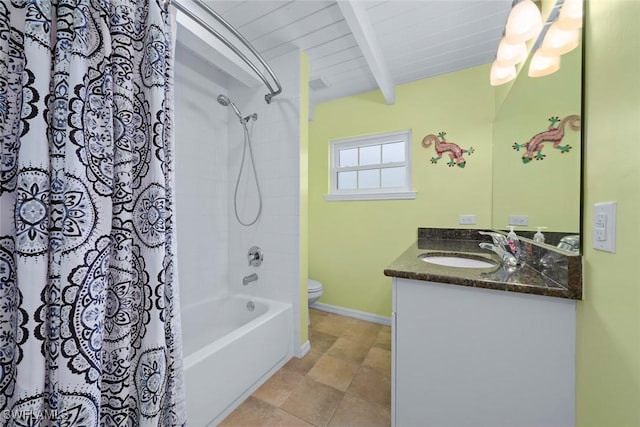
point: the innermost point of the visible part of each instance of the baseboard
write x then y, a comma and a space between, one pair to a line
303, 350
356, 314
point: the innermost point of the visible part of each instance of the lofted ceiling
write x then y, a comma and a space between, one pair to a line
356, 46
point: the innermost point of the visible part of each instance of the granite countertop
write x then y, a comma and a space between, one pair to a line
565, 281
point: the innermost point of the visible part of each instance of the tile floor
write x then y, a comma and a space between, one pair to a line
344, 380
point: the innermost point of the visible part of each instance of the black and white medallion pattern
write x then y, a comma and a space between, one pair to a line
89, 320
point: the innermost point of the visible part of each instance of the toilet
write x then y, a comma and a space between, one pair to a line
314, 291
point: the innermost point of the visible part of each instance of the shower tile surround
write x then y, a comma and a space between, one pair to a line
275, 138
212, 246
202, 183
564, 280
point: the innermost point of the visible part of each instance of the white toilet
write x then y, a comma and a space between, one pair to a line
314, 291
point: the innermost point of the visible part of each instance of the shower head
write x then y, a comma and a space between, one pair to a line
225, 102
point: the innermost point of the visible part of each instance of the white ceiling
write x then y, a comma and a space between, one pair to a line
393, 41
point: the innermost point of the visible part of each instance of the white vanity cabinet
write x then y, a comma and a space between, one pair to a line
471, 357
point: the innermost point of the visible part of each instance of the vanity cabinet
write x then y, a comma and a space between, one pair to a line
470, 357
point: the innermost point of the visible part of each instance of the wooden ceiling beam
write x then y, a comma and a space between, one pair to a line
356, 16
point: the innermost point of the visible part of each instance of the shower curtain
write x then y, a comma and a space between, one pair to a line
89, 321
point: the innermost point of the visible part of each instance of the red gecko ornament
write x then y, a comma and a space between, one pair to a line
442, 146
553, 134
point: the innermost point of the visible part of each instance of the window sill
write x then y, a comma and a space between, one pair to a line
395, 195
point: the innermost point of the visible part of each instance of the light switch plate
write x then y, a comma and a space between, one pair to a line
466, 219
604, 226
520, 220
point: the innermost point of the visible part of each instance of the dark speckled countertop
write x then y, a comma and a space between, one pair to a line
564, 281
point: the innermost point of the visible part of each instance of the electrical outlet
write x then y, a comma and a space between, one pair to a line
604, 226
519, 220
466, 219
600, 234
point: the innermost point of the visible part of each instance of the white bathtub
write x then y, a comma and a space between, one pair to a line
229, 351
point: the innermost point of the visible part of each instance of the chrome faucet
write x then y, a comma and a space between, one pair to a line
498, 246
255, 256
248, 279
570, 243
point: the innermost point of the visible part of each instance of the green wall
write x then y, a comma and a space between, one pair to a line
548, 190
608, 343
350, 243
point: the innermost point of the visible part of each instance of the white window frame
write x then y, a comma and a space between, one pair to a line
387, 193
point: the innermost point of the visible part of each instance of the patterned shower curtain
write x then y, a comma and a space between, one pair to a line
89, 321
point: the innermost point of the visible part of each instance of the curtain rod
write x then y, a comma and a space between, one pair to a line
230, 45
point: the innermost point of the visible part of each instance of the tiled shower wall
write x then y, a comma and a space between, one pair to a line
276, 145
212, 246
202, 179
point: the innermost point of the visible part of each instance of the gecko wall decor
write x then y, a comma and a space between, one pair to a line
443, 146
554, 134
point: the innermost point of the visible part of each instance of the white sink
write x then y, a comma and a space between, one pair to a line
456, 261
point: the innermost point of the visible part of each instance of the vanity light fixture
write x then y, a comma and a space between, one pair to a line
510, 54
558, 41
542, 65
524, 22
500, 75
560, 35
570, 17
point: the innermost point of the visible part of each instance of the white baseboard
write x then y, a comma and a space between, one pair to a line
303, 350
356, 314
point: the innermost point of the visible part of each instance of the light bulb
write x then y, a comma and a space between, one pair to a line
510, 54
570, 17
558, 41
500, 75
542, 65
524, 22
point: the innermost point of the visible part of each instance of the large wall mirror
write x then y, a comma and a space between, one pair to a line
531, 177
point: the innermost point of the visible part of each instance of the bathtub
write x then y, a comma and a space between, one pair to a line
229, 351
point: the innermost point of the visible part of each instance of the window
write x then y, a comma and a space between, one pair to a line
375, 167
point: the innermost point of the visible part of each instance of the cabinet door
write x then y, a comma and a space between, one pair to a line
468, 357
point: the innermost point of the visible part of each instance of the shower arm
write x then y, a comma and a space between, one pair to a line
272, 92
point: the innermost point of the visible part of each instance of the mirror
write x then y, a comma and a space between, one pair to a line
531, 177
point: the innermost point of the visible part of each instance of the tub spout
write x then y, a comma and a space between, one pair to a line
248, 279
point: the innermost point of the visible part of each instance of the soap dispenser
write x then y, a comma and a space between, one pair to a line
539, 237
513, 243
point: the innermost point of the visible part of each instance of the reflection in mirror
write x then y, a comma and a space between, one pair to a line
537, 150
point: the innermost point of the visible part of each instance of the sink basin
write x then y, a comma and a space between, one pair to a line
452, 260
